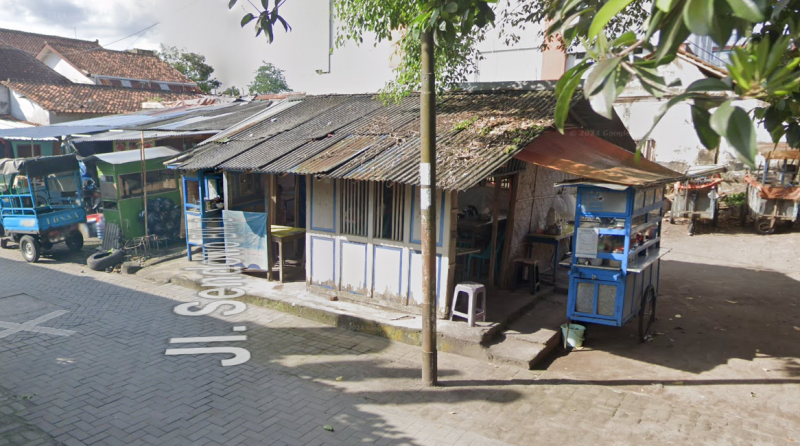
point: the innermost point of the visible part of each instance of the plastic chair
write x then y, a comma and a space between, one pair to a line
473, 291
486, 255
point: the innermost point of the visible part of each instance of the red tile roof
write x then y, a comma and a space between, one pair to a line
103, 62
32, 43
18, 66
96, 99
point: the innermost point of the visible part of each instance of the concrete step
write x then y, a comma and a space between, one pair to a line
521, 353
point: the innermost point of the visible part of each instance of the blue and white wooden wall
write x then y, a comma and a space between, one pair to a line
371, 269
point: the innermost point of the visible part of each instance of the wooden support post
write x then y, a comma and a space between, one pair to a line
144, 184
451, 255
270, 195
427, 169
495, 216
512, 207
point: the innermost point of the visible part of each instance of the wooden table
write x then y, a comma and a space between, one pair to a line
473, 225
282, 234
554, 241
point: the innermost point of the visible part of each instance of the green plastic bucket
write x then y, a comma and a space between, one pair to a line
575, 337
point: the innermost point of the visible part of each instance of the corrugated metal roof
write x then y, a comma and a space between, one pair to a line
586, 156
215, 117
358, 137
137, 135
130, 156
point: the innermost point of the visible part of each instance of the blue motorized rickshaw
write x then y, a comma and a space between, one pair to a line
41, 204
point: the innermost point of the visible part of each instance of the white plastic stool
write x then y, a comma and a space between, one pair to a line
474, 291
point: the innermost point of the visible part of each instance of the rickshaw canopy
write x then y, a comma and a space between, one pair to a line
38, 166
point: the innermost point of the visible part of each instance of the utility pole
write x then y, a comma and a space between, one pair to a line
144, 183
427, 181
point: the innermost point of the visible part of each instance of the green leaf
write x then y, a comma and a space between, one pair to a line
605, 14
665, 5
699, 16
723, 24
793, 135
624, 40
603, 102
670, 38
565, 89
231, 4
746, 9
247, 19
265, 4
328, 428
451, 7
286, 26
734, 124
651, 81
708, 85
599, 73
708, 136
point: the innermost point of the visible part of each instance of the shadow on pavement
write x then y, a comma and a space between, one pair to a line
113, 371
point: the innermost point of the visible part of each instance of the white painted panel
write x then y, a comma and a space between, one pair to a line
322, 261
323, 204
354, 267
388, 270
415, 278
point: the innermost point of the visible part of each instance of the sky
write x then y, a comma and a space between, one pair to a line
209, 28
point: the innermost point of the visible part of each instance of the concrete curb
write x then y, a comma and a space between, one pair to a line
471, 344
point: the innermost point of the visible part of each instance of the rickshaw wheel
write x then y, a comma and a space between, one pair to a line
647, 313
4, 243
30, 249
764, 227
74, 241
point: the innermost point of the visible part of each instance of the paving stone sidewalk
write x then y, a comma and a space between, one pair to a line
109, 382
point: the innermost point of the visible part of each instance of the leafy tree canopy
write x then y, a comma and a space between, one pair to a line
269, 79
192, 65
232, 91
765, 63
763, 66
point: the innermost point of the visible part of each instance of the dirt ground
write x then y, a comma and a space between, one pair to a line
727, 330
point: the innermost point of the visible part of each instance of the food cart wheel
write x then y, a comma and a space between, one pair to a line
30, 249
74, 241
647, 313
765, 227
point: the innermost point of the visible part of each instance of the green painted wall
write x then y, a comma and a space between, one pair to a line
126, 216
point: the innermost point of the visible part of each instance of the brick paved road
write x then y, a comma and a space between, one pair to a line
110, 382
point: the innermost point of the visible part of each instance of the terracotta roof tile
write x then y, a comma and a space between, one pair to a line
103, 62
96, 99
32, 43
19, 66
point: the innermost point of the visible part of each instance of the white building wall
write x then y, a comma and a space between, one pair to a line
5, 101
62, 67
368, 269
27, 110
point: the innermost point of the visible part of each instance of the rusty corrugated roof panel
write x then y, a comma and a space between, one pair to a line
589, 157
477, 134
358, 137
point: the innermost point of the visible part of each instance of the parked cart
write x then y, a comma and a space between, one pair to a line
41, 204
616, 258
696, 196
773, 195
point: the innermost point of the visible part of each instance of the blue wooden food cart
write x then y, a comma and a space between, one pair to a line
615, 263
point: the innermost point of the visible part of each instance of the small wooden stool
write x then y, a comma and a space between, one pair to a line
533, 272
474, 291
